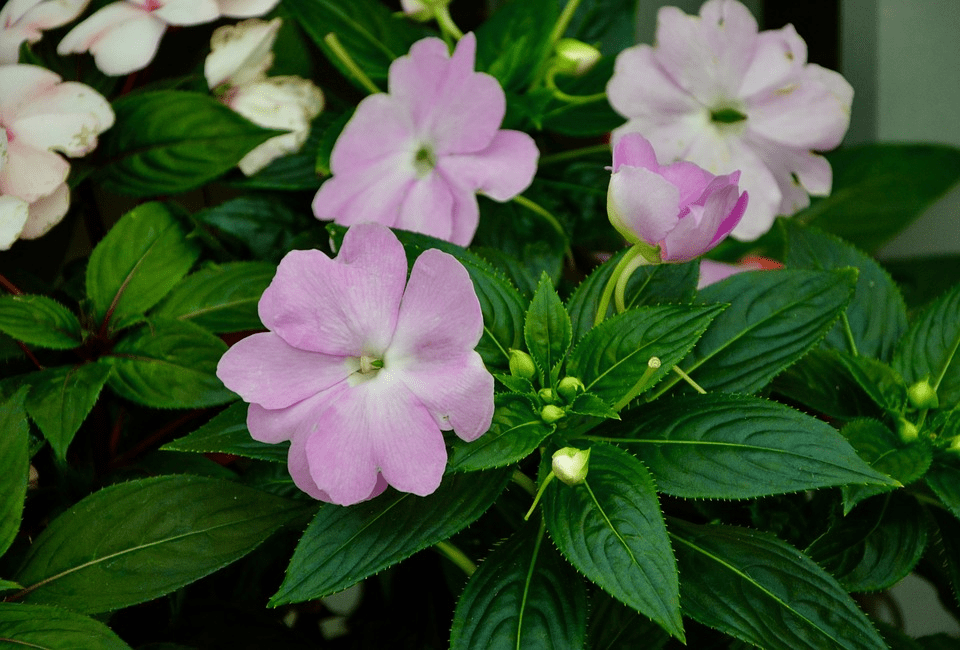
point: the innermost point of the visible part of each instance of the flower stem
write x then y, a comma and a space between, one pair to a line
563, 21
338, 50
456, 556
550, 219
653, 364
441, 12
536, 499
849, 334
624, 262
525, 482
570, 99
572, 154
621, 288
687, 378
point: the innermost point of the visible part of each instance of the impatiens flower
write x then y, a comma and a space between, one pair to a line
236, 68
716, 92
416, 157
24, 20
361, 373
124, 36
40, 116
681, 208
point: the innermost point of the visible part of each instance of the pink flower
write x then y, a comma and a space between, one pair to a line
362, 374
716, 92
24, 20
681, 208
124, 36
40, 116
416, 157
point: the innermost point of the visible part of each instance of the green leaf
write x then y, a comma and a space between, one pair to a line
886, 453
877, 315
168, 364
610, 528
547, 330
294, 172
878, 380
757, 588
946, 545
40, 321
227, 433
61, 398
14, 465
171, 141
924, 278
723, 446
342, 546
773, 319
931, 348
516, 431
220, 298
821, 381
523, 596
262, 225
135, 541
612, 359
613, 625
876, 547
590, 404
140, 260
9, 585
52, 628
943, 477
514, 42
879, 189
370, 33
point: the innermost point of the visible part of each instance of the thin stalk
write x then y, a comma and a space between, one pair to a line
687, 378
441, 13
456, 556
612, 283
550, 219
338, 50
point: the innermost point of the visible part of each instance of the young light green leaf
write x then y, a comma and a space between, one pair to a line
523, 596
61, 398
722, 446
342, 546
547, 329
139, 261
135, 541
221, 298
227, 433
757, 588
39, 321
516, 431
171, 141
52, 628
168, 364
14, 465
931, 348
610, 528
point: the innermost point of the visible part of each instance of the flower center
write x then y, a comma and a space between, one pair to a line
153, 5
424, 161
727, 116
369, 366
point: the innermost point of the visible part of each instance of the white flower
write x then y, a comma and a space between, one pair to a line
24, 20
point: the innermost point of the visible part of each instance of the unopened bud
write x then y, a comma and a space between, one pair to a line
954, 445
551, 413
421, 10
575, 57
521, 364
907, 430
548, 395
569, 388
570, 465
922, 395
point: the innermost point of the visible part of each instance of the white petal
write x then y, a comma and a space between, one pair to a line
122, 38
13, 214
245, 8
241, 53
67, 118
188, 12
46, 212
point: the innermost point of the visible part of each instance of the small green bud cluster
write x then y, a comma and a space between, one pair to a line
922, 395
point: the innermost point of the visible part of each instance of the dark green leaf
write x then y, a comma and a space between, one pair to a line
220, 298
40, 321
516, 431
327, 140
61, 398
878, 380
610, 528
943, 477
822, 382
886, 453
513, 43
345, 545
516, 384
52, 628
135, 541
946, 542
262, 224
723, 446
614, 626
590, 404
169, 364
547, 329
170, 141
140, 260
923, 279
14, 465
227, 433
523, 596
877, 315
757, 588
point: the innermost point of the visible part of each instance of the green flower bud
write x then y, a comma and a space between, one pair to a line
954, 445
908, 430
548, 395
421, 10
575, 58
569, 388
521, 364
551, 413
922, 395
570, 465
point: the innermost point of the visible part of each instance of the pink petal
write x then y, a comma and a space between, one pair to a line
46, 212
466, 215
373, 194
188, 12
299, 468
712, 272
42, 16
779, 57
66, 118
264, 370
642, 203
276, 425
21, 83
14, 213
428, 208
342, 307
639, 87
378, 129
245, 8
700, 230
634, 150
31, 173
501, 171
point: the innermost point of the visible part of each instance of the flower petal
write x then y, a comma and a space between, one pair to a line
245, 8
700, 230
377, 129
19, 84
373, 194
188, 12
501, 171
276, 425
13, 214
121, 36
779, 57
342, 307
639, 87
66, 118
428, 208
241, 53
31, 173
46, 212
642, 203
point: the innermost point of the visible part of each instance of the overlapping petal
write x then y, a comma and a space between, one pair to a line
25, 20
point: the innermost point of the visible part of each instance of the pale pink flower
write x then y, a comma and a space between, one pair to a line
416, 157
25, 20
40, 116
124, 36
716, 92
680, 208
361, 373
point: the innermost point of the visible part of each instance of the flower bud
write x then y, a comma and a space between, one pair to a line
421, 10
575, 58
907, 430
569, 388
570, 465
548, 395
550, 413
922, 395
521, 364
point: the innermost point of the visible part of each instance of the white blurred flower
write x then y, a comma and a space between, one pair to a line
25, 20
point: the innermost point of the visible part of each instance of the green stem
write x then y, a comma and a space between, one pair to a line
849, 334
573, 154
559, 28
447, 27
619, 292
536, 499
338, 50
687, 378
550, 219
525, 482
624, 262
571, 99
652, 365
456, 556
